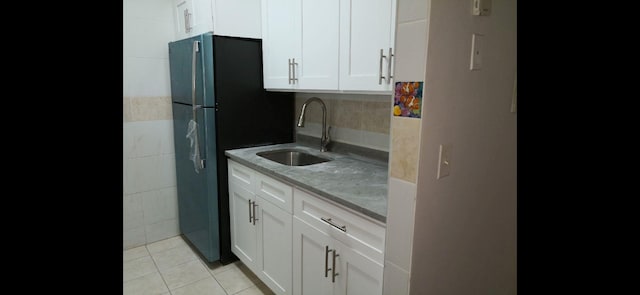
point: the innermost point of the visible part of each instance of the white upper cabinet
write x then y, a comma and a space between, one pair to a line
300, 44
367, 32
329, 45
238, 18
280, 42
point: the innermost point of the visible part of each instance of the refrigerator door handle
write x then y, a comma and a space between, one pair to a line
194, 106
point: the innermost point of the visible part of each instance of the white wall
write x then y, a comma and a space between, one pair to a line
149, 196
465, 223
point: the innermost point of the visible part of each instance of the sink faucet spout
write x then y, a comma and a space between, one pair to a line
324, 141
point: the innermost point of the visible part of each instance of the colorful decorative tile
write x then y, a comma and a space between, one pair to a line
408, 99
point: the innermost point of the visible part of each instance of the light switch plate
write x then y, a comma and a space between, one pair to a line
444, 161
476, 51
481, 7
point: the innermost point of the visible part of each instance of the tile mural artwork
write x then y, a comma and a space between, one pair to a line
407, 100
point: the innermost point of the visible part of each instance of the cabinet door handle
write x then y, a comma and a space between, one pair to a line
328, 220
333, 269
326, 261
289, 71
293, 66
389, 67
380, 77
250, 217
187, 21
254, 212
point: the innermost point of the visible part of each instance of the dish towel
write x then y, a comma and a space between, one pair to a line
194, 152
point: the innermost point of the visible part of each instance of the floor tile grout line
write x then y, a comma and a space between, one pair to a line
213, 276
158, 269
130, 279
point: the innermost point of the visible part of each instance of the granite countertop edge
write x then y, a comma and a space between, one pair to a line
246, 156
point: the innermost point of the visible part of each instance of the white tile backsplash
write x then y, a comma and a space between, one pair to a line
411, 51
150, 173
147, 77
375, 140
149, 198
159, 205
148, 38
400, 221
159, 10
167, 171
161, 230
148, 138
368, 139
133, 214
134, 237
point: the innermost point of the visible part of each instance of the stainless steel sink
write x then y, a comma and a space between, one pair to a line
292, 157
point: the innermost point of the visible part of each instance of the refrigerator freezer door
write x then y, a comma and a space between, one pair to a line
197, 192
181, 70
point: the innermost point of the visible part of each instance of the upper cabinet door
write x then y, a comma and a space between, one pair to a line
318, 67
281, 42
367, 32
238, 18
193, 17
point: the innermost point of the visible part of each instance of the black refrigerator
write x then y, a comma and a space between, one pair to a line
219, 103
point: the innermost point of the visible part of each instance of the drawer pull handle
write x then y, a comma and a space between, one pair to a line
328, 220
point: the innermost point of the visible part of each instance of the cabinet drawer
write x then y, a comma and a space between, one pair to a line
351, 228
241, 175
275, 192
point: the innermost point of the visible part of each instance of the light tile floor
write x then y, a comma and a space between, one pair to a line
171, 267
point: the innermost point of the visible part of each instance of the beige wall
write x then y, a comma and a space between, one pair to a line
465, 223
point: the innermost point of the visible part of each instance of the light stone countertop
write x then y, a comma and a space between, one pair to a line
348, 180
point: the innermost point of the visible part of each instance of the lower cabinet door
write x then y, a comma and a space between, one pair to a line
357, 274
243, 231
274, 228
311, 260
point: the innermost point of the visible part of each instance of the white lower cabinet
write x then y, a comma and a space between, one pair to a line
261, 231
323, 265
335, 251
297, 243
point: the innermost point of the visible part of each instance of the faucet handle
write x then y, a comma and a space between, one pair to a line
326, 142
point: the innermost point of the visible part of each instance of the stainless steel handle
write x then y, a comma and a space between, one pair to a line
194, 106
187, 21
193, 77
289, 71
293, 66
326, 261
254, 213
333, 269
250, 217
389, 67
380, 77
328, 220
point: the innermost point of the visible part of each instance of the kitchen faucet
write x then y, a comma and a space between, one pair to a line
324, 141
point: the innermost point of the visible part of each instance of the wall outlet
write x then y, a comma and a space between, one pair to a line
444, 161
